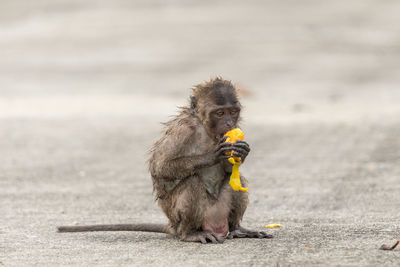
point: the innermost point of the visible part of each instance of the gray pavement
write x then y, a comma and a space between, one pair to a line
84, 86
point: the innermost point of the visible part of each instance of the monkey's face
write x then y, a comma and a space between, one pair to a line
223, 118
216, 105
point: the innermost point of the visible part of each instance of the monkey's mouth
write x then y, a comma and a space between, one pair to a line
221, 135
225, 131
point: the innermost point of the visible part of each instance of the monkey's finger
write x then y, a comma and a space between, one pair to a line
211, 238
256, 234
223, 157
219, 239
240, 155
240, 152
225, 149
242, 144
244, 147
224, 152
265, 235
223, 145
223, 139
259, 235
202, 239
240, 149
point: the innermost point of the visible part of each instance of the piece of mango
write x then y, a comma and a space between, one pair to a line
274, 225
233, 136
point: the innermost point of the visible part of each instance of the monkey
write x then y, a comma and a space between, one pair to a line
190, 171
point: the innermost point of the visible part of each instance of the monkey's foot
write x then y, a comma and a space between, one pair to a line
204, 237
241, 232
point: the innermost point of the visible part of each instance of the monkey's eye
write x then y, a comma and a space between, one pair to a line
219, 113
234, 112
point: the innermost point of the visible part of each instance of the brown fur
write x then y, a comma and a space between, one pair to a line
180, 171
190, 172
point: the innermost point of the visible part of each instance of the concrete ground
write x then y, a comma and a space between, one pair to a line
84, 85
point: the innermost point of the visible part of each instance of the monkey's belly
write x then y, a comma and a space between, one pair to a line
213, 178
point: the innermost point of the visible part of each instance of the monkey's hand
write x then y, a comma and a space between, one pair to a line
241, 149
221, 151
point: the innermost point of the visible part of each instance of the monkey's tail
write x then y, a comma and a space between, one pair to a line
155, 228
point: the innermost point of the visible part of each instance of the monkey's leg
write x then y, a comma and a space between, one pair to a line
186, 215
239, 204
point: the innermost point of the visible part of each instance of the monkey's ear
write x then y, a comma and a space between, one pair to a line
193, 105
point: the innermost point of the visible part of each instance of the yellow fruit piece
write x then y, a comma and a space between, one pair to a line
234, 182
234, 135
273, 225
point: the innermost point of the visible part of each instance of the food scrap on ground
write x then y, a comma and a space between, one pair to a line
275, 225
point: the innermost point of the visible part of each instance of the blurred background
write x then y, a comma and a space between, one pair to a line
79, 58
84, 86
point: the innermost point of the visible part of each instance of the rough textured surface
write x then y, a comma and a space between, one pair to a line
321, 95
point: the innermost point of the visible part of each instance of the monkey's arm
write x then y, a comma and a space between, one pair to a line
170, 159
184, 166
